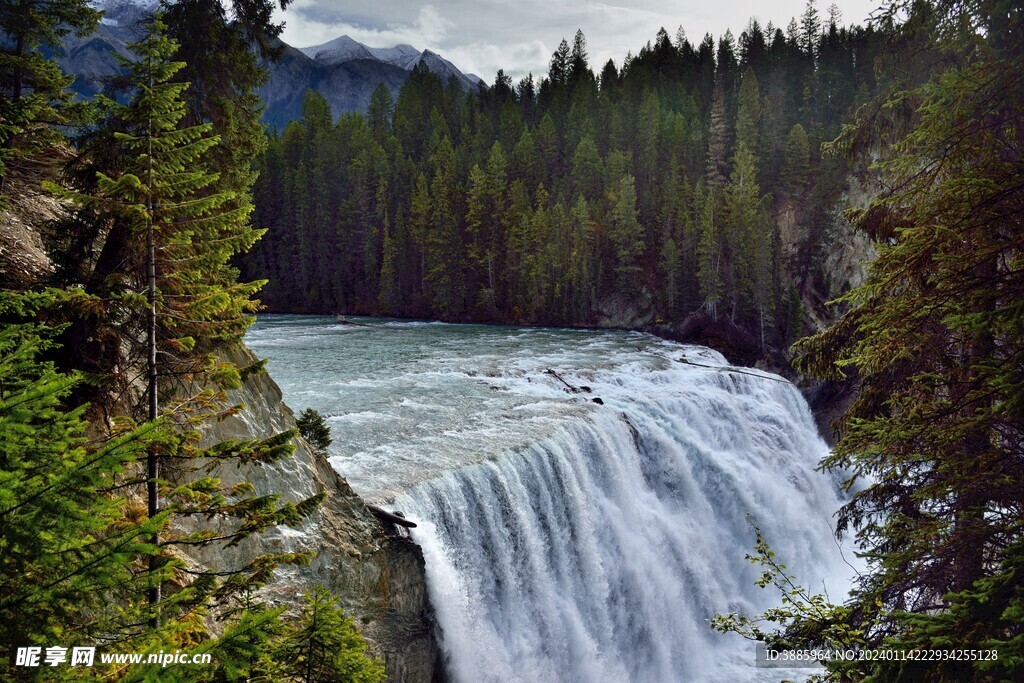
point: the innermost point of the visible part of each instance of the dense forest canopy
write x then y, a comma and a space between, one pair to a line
650, 189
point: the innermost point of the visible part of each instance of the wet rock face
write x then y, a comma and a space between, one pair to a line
619, 311
404, 631
850, 249
376, 571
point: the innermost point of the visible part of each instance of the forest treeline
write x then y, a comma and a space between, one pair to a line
651, 188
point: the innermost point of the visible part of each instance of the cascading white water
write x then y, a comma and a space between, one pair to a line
566, 540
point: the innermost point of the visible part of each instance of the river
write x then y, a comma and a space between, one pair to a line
584, 498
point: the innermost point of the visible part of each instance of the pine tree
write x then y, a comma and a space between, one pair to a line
748, 116
485, 223
797, 161
718, 145
581, 276
526, 96
443, 244
626, 235
749, 236
390, 286
222, 45
193, 307
538, 273
419, 225
709, 257
313, 428
671, 266
649, 146
754, 46
558, 70
549, 146
380, 111
726, 68
586, 169
579, 66
526, 163
510, 125
324, 646
934, 337
609, 76
65, 546
247, 650
810, 30
934, 334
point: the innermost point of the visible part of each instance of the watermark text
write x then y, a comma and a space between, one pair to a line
87, 656
767, 658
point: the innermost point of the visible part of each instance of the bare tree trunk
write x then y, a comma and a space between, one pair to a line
762, 327
152, 458
19, 52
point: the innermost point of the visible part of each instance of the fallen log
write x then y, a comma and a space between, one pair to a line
391, 517
342, 320
576, 390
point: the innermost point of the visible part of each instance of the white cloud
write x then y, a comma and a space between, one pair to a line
432, 26
304, 29
484, 59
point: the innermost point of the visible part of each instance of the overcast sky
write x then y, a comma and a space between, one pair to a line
481, 36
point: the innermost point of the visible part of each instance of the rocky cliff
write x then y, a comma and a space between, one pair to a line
377, 572
846, 253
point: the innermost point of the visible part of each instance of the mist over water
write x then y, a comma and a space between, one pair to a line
567, 540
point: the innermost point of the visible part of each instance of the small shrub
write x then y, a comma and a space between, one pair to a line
314, 429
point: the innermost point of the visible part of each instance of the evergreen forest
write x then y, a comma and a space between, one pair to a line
591, 195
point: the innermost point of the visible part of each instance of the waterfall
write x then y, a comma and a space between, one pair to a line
599, 552
565, 539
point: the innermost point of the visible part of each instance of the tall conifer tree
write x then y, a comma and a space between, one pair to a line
193, 307
709, 256
65, 546
627, 236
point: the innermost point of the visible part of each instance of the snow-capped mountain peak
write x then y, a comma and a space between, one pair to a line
124, 12
341, 49
399, 55
345, 49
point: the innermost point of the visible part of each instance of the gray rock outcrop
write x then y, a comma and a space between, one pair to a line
377, 572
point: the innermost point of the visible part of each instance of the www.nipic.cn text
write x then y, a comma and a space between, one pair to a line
86, 656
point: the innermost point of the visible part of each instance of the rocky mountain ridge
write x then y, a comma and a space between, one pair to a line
343, 70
